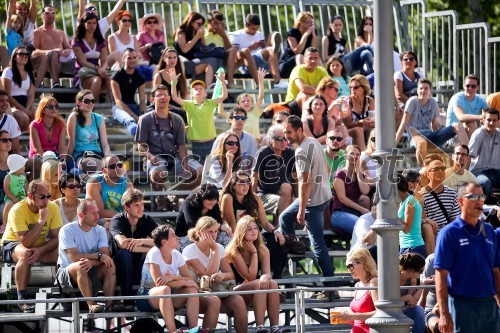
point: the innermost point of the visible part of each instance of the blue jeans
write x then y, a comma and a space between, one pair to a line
488, 179
441, 136
357, 59
418, 317
474, 314
344, 221
128, 270
417, 249
125, 119
314, 224
201, 150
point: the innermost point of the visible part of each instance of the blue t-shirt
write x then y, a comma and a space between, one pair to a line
13, 40
469, 107
344, 89
72, 236
469, 254
87, 137
414, 237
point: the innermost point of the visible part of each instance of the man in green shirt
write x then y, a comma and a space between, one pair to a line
333, 152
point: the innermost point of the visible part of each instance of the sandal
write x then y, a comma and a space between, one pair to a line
97, 308
120, 308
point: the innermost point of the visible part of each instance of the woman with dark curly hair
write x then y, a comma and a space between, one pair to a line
91, 53
237, 201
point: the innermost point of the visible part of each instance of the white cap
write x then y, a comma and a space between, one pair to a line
49, 155
15, 162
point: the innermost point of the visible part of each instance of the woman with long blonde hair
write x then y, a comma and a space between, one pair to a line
51, 173
48, 130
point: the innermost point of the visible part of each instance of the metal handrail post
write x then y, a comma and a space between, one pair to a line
75, 311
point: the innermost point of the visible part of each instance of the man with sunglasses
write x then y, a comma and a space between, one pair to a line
465, 107
107, 188
458, 174
467, 264
129, 239
53, 43
334, 153
104, 23
272, 174
31, 236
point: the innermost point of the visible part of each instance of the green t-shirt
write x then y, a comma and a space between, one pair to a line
201, 124
334, 164
309, 78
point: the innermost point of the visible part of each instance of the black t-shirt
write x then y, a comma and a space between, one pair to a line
129, 83
120, 225
336, 46
188, 217
273, 170
288, 52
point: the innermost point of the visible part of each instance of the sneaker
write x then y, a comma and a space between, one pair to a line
323, 295
276, 41
27, 307
261, 329
56, 85
282, 84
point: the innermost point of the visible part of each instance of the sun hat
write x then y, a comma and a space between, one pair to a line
142, 21
49, 155
15, 162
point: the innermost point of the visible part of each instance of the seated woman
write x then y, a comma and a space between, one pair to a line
50, 173
359, 103
203, 201
364, 42
48, 130
206, 257
69, 186
165, 272
411, 266
406, 80
90, 51
299, 38
151, 32
368, 164
238, 200
317, 123
225, 159
19, 82
362, 267
349, 185
88, 141
335, 67
250, 261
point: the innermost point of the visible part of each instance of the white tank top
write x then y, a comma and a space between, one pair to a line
120, 47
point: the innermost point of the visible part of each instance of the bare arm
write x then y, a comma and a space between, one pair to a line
304, 88
136, 245
398, 91
226, 207
15, 146
71, 129
260, 96
463, 117
186, 46
339, 186
104, 139
81, 9
113, 13
62, 148
94, 192
445, 320
402, 126
142, 98
13, 103
325, 43
249, 272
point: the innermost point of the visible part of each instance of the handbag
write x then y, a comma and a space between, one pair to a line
210, 286
209, 51
294, 245
86, 72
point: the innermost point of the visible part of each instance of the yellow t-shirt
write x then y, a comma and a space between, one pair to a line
21, 218
309, 78
216, 39
252, 124
201, 123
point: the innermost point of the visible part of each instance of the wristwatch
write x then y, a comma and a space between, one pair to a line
99, 255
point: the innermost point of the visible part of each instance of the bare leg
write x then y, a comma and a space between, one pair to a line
421, 152
209, 75
210, 307
231, 60
462, 136
272, 59
23, 120
23, 268
358, 137
273, 304
83, 280
164, 305
41, 64
258, 301
54, 67
108, 277
247, 57
93, 83
235, 305
192, 304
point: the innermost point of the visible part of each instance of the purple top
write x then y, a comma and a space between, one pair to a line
92, 55
351, 190
144, 38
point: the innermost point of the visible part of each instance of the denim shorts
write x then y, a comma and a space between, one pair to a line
144, 305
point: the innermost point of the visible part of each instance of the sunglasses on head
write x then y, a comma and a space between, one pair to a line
5, 140
239, 117
126, 21
23, 54
52, 107
475, 197
473, 86
43, 196
279, 138
88, 101
116, 165
232, 143
90, 8
73, 186
336, 138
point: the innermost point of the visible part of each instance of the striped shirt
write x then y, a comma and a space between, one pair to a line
449, 200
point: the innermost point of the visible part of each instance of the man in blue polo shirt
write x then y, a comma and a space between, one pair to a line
467, 265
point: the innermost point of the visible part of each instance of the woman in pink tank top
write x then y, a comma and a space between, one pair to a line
362, 266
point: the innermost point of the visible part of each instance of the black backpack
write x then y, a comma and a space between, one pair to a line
155, 53
146, 325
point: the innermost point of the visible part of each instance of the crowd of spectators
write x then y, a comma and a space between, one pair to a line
314, 169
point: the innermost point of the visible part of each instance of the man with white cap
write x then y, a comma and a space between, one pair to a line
25, 240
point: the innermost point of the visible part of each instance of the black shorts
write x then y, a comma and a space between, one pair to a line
7, 249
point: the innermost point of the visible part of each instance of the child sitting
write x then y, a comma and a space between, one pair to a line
14, 185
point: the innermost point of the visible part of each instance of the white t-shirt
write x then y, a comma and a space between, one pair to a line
244, 40
15, 90
29, 31
193, 252
10, 125
154, 257
103, 26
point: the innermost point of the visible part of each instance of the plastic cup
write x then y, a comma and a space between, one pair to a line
333, 320
371, 114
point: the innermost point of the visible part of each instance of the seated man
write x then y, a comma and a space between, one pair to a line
272, 174
107, 189
334, 153
421, 121
31, 236
253, 52
465, 107
485, 151
161, 139
458, 174
84, 258
53, 42
129, 238
124, 85
303, 80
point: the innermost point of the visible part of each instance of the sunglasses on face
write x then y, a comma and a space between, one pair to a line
126, 21
441, 168
279, 138
243, 182
152, 22
279, 121
335, 138
233, 143
73, 186
351, 266
354, 87
43, 196
460, 154
239, 117
91, 8
471, 86
116, 165
334, 88
408, 59
23, 54
88, 101
5, 140
475, 197
52, 107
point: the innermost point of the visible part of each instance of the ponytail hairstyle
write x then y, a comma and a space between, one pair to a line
202, 224
80, 118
